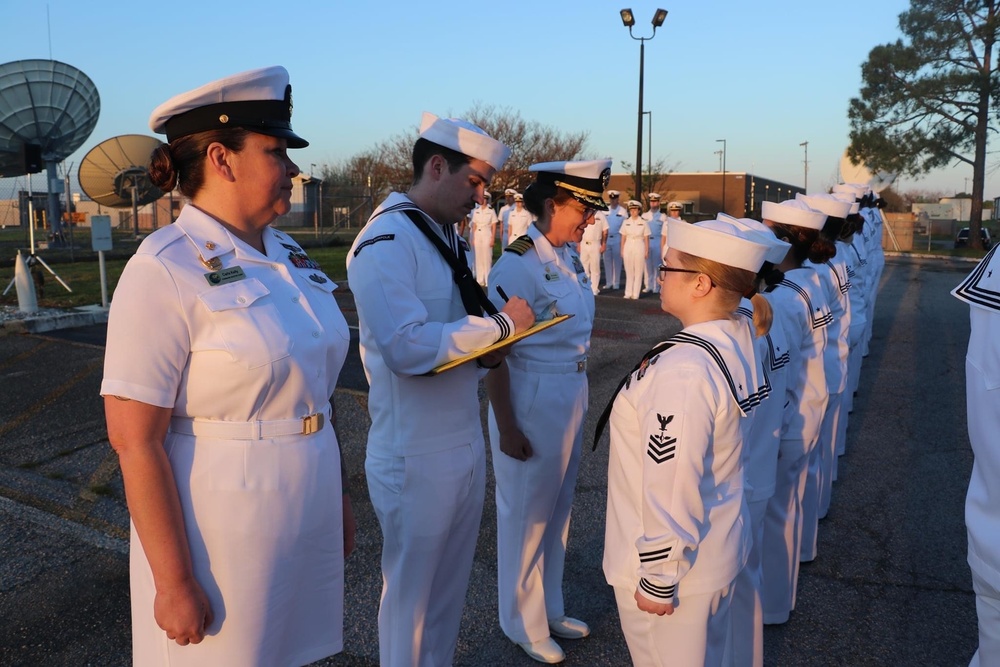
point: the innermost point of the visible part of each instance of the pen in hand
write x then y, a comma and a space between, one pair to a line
503, 295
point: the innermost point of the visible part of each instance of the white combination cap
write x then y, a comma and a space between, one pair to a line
824, 203
632, 203
510, 191
718, 241
758, 231
464, 137
654, 196
614, 193
793, 212
259, 100
675, 206
585, 180
518, 196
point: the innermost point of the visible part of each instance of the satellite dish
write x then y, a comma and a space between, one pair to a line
859, 173
47, 111
44, 103
116, 169
115, 173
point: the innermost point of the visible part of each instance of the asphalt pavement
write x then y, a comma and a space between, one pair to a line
890, 585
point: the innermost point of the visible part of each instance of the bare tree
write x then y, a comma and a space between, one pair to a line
926, 101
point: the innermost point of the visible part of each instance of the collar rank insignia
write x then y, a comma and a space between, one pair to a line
660, 445
577, 265
213, 264
318, 279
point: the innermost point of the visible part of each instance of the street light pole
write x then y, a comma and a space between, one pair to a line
723, 142
628, 20
719, 153
649, 148
805, 185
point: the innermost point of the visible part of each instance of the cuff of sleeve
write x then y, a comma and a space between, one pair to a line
505, 325
663, 594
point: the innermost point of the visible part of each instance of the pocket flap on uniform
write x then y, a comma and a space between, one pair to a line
233, 295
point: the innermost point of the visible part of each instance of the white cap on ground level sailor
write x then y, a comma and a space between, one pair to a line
793, 212
654, 196
465, 138
259, 100
634, 203
824, 203
518, 197
585, 180
675, 206
718, 241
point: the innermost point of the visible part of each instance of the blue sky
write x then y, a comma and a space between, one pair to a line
763, 75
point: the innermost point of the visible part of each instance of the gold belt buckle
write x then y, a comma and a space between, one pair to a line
312, 423
581, 366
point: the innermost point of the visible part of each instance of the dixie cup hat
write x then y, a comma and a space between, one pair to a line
718, 241
465, 138
793, 212
258, 100
758, 231
585, 180
824, 203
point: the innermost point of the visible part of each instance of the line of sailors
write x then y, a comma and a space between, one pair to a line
822, 293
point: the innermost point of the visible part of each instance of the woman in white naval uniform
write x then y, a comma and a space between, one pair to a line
221, 414
592, 245
484, 230
635, 249
538, 401
677, 525
518, 219
832, 276
981, 290
800, 306
654, 218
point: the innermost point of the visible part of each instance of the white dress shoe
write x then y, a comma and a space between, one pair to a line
568, 628
544, 650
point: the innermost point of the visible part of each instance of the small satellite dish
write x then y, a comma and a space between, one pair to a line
859, 173
114, 173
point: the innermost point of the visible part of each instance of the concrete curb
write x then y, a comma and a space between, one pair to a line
72, 317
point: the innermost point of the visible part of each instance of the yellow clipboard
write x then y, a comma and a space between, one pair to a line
537, 327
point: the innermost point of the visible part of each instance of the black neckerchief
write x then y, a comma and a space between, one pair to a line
602, 421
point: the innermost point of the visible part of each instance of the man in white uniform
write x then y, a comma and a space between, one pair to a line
654, 220
426, 431
981, 290
595, 238
613, 248
508, 205
484, 230
674, 209
518, 220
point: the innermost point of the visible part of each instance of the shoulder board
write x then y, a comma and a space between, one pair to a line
521, 245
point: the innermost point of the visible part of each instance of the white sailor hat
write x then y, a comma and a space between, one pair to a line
758, 231
614, 193
793, 212
654, 196
850, 199
464, 137
675, 206
633, 203
259, 100
859, 190
585, 180
824, 203
518, 196
718, 241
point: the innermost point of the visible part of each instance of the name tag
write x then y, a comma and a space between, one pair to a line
223, 276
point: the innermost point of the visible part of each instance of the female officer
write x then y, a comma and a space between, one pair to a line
677, 523
635, 249
224, 346
538, 401
800, 306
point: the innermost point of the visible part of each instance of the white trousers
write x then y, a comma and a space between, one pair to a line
783, 534
484, 260
829, 431
534, 499
634, 258
429, 507
650, 282
590, 257
747, 614
612, 261
697, 634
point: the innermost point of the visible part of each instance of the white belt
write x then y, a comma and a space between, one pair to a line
255, 430
548, 366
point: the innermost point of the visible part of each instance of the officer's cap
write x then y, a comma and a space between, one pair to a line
510, 191
464, 137
793, 212
758, 231
518, 196
824, 203
613, 193
633, 203
584, 179
718, 241
675, 206
259, 100
653, 196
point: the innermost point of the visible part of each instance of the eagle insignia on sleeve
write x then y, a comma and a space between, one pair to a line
661, 446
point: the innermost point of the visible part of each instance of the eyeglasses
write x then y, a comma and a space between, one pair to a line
664, 269
586, 211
